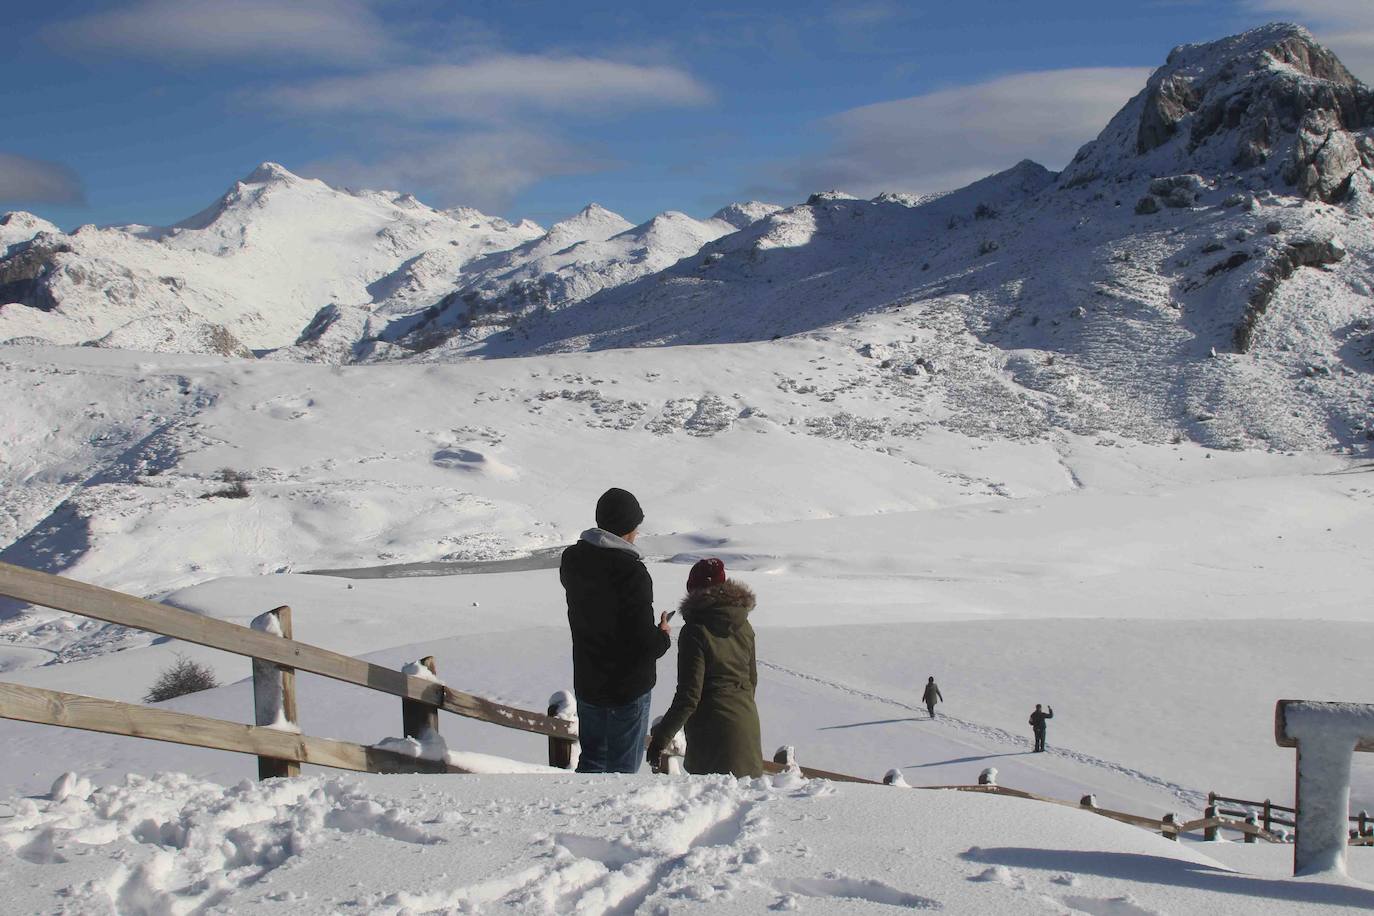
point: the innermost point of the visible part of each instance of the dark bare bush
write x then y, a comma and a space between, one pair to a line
183, 677
236, 485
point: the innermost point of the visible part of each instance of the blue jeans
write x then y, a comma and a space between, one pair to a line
612, 737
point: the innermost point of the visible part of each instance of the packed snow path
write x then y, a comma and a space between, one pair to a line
978, 736
394, 845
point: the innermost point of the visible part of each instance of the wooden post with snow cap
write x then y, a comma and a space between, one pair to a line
1212, 832
562, 706
416, 717
1325, 735
274, 693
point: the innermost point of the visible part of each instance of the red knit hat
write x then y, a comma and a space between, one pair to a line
705, 573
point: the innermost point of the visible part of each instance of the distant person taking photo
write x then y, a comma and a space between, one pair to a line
615, 641
1037, 724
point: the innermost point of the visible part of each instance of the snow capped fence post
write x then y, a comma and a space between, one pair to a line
1169, 826
1325, 735
416, 717
563, 752
1250, 835
274, 693
1212, 832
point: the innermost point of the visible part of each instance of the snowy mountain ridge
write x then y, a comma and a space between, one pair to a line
1202, 269
253, 268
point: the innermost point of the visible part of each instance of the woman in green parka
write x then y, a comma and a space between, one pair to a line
716, 677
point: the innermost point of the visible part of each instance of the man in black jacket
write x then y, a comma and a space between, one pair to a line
614, 638
1037, 724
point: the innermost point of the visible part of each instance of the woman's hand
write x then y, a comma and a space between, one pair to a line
663, 623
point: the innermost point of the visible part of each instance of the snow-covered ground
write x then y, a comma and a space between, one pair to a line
577, 844
1161, 597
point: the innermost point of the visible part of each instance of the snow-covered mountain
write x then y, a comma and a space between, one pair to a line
248, 272
1200, 270
1180, 278
594, 250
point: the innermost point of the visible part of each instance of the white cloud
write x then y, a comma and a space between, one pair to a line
320, 30
1345, 26
948, 138
34, 181
484, 169
494, 87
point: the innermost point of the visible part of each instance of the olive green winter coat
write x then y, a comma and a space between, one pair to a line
717, 674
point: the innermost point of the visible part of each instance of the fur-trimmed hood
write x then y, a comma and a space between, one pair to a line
720, 608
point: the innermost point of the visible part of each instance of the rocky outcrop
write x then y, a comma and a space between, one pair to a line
1167, 103
24, 272
1324, 158
1271, 101
1302, 253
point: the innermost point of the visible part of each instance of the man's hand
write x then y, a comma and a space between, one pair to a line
663, 623
653, 755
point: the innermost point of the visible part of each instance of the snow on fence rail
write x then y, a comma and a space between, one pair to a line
274, 740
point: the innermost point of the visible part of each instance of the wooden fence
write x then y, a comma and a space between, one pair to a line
279, 747
1270, 815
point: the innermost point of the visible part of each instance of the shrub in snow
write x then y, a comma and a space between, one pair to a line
183, 677
988, 777
1146, 205
236, 485
894, 777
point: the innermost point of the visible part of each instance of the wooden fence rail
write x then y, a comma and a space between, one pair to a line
1270, 813
70, 710
276, 658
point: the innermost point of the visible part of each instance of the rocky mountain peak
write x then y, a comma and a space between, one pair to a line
1270, 102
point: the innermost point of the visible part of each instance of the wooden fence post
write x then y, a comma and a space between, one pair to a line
1253, 821
1169, 827
562, 706
1269, 816
1365, 828
1212, 832
274, 693
417, 717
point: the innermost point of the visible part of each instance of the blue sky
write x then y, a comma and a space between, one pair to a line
146, 110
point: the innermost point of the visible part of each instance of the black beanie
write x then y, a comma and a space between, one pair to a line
618, 512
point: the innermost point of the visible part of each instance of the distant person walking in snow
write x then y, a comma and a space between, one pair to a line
615, 641
717, 674
932, 696
1037, 724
